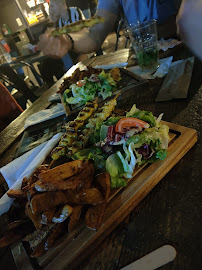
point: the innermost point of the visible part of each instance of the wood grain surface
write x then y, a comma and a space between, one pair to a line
71, 253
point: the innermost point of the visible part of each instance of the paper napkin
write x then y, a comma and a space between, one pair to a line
160, 72
45, 115
24, 166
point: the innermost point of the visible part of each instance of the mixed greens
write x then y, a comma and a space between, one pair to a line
101, 85
122, 143
147, 58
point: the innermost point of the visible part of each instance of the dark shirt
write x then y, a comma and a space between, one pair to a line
82, 4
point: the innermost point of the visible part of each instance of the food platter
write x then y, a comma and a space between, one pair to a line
74, 246
129, 81
69, 252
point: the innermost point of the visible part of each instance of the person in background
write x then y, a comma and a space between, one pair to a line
132, 11
189, 23
93, 7
60, 15
82, 4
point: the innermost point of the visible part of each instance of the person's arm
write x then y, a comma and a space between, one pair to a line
189, 24
85, 41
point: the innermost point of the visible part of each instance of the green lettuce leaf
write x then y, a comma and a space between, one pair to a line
112, 120
142, 115
103, 132
115, 168
93, 154
161, 154
154, 137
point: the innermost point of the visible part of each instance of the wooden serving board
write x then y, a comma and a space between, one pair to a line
74, 247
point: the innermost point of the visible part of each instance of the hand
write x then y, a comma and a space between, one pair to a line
189, 21
55, 47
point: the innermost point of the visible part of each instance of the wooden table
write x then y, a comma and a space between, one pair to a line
170, 214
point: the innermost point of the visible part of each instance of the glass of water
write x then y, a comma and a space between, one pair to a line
145, 43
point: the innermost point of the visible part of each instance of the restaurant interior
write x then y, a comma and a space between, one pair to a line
19, 35
100, 158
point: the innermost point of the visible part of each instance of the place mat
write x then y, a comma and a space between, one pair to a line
177, 81
40, 133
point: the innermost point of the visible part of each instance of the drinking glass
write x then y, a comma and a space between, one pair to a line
145, 43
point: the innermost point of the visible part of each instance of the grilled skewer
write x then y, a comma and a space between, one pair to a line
77, 26
101, 115
72, 129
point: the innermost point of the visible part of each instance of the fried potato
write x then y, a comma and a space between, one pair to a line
102, 181
49, 241
24, 182
38, 236
39, 250
62, 213
16, 223
84, 179
55, 233
87, 176
41, 187
48, 200
35, 218
75, 216
94, 216
47, 216
62, 172
31, 237
16, 193
86, 196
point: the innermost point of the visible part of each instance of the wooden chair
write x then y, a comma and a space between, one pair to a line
9, 108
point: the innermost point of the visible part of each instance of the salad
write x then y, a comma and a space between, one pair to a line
121, 143
96, 85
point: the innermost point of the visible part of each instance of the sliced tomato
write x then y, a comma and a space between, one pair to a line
80, 83
129, 122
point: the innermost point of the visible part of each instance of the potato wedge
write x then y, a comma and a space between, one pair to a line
35, 218
102, 181
47, 216
75, 216
38, 236
69, 184
16, 193
55, 234
49, 241
62, 213
94, 216
84, 179
86, 196
48, 200
39, 250
63, 171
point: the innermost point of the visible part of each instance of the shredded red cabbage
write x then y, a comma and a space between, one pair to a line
145, 151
